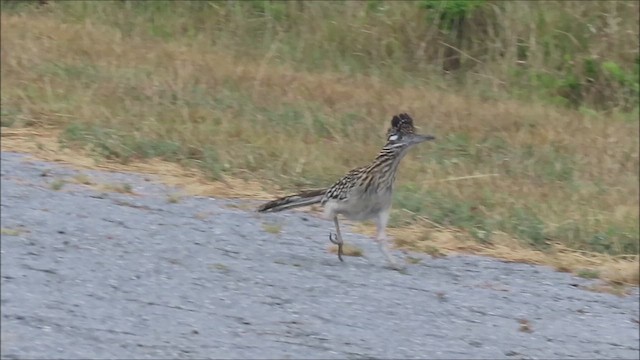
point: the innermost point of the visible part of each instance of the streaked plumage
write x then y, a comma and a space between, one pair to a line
363, 193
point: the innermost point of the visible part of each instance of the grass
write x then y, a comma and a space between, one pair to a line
588, 274
57, 184
123, 188
10, 232
434, 252
566, 52
220, 267
413, 260
115, 82
82, 179
174, 198
272, 228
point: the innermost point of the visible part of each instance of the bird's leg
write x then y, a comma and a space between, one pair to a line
381, 239
338, 238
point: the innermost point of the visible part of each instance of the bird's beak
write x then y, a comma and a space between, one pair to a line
422, 138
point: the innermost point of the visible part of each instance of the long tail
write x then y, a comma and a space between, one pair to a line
304, 198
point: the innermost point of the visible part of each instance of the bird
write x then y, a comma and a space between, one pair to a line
364, 193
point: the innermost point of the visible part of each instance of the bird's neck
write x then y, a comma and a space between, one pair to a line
388, 160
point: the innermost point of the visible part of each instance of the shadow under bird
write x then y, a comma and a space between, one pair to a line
364, 193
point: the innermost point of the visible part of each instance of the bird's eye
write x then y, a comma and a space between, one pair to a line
393, 137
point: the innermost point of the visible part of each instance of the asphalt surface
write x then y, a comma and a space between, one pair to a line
94, 274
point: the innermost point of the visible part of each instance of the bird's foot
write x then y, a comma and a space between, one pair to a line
337, 241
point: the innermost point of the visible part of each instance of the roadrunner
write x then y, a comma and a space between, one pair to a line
363, 193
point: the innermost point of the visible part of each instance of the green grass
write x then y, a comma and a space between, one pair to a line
112, 144
124, 147
588, 274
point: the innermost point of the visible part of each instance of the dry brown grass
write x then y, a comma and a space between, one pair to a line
553, 185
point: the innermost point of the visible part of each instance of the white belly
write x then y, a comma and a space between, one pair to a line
365, 208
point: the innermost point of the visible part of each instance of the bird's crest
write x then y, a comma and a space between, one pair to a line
402, 123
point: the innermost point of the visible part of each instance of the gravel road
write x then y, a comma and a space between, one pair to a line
94, 274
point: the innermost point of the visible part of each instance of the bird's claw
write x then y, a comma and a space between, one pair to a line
334, 239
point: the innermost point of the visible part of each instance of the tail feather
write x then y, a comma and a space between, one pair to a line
304, 198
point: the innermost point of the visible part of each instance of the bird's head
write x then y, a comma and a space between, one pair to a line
402, 132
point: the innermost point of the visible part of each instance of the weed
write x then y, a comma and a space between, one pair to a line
10, 232
202, 215
442, 297
348, 250
174, 261
525, 326
131, 205
272, 228
240, 206
173, 198
123, 188
57, 184
82, 179
219, 266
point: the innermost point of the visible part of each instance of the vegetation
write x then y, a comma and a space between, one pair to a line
534, 104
